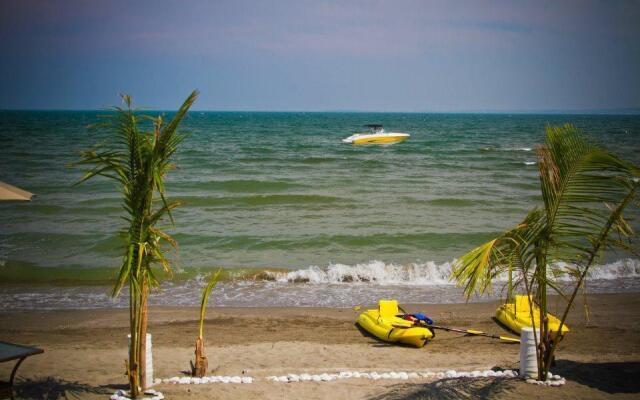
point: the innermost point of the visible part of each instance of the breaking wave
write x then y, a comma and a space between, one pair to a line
420, 274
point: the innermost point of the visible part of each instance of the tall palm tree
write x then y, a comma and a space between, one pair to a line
585, 190
138, 160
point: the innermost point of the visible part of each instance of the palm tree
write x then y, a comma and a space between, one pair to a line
201, 364
585, 190
138, 160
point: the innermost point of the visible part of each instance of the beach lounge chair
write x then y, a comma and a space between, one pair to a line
10, 352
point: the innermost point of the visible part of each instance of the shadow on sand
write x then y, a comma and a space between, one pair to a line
446, 389
51, 388
613, 377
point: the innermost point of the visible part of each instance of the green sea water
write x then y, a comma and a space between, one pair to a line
281, 191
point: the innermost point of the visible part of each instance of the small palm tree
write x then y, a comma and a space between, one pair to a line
138, 161
585, 190
201, 364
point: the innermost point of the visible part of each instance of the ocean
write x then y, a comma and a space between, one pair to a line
295, 216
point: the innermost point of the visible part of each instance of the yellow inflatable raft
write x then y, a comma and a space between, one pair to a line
385, 325
516, 316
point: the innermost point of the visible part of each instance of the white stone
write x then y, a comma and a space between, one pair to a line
375, 376
196, 381
440, 375
114, 397
235, 379
385, 375
326, 377
316, 378
225, 379
293, 378
365, 375
394, 375
403, 375
413, 375
357, 374
305, 377
450, 374
247, 379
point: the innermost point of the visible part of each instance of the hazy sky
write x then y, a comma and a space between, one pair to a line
322, 55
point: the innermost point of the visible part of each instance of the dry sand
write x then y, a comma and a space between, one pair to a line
85, 352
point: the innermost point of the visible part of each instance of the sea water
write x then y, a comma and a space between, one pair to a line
295, 216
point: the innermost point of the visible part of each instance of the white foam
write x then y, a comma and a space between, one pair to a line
373, 272
424, 274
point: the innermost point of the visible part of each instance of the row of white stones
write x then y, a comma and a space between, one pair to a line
450, 374
553, 380
187, 380
148, 395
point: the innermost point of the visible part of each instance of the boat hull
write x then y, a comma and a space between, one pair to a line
516, 316
387, 138
394, 329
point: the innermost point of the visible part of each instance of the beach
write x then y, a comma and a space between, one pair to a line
85, 352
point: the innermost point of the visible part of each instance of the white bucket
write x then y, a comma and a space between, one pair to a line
149, 372
528, 359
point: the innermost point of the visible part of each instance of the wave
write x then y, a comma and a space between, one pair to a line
260, 200
374, 272
491, 148
529, 162
241, 185
422, 274
457, 202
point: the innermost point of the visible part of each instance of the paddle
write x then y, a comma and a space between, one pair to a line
477, 333
422, 322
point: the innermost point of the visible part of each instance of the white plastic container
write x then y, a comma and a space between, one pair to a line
528, 359
149, 372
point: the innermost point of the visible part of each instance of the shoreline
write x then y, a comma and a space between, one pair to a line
85, 351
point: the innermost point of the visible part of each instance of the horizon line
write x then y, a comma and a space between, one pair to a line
614, 111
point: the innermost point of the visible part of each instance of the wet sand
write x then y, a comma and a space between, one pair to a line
85, 352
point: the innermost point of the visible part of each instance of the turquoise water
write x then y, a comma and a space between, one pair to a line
280, 190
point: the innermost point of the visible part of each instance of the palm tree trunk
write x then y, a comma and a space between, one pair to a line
144, 294
541, 264
133, 371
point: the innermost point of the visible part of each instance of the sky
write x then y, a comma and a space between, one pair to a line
296, 55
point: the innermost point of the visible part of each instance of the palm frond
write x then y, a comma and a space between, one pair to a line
213, 281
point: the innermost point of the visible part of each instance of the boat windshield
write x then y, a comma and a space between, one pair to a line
374, 128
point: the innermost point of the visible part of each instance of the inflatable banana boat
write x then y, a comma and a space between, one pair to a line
517, 315
385, 324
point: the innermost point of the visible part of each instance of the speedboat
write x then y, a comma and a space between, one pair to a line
376, 135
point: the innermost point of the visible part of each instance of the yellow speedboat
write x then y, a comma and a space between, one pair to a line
376, 135
516, 316
384, 324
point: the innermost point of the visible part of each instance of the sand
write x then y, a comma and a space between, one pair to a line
85, 352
